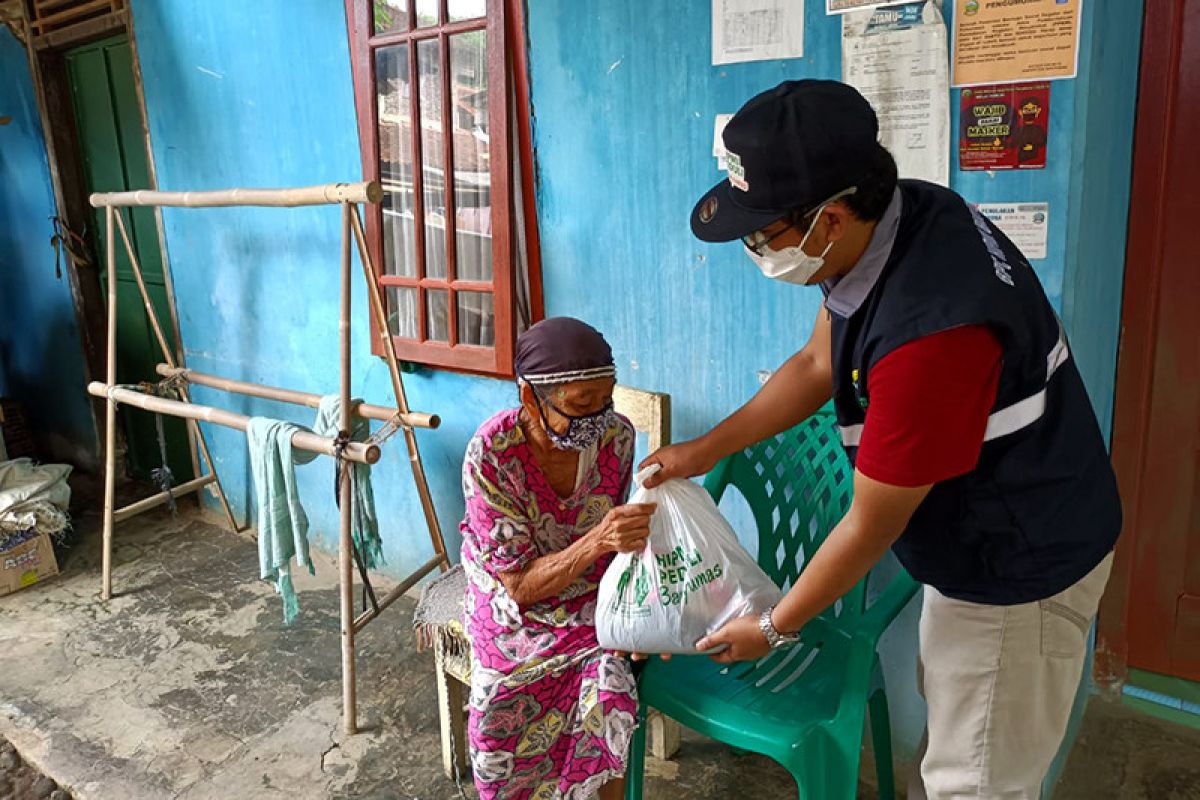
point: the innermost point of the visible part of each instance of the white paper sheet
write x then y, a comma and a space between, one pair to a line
846, 6
718, 150
898, 58
1026, 224
756, 30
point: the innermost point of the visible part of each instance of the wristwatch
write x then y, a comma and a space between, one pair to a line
774, 637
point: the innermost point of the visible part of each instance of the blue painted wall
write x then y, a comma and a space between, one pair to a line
257, 289
41, 358
623, 134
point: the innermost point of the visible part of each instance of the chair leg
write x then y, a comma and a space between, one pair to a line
881, 739
452, 718
636, 768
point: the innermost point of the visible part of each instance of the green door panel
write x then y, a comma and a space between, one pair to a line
112, 142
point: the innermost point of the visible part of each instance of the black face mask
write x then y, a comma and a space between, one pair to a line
582, 431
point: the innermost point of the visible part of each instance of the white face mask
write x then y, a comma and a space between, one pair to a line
791, 264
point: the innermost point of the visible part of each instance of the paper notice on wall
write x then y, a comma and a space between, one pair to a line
1027, 225
897, 58
845, 6
1005, 41
718, 138
756, 30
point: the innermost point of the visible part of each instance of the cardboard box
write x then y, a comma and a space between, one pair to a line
25, 559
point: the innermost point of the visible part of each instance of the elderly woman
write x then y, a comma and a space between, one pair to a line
551, 714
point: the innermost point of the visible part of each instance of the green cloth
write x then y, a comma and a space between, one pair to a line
363, 522
282, 523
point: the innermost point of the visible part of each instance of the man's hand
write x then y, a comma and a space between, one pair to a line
742, 638
792, 394
683, 460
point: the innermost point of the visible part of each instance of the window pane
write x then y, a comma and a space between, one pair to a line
427, 13
472, 178
395, 159
402, 311
438, 306
467, 9
476, 319
391, 16
432, 155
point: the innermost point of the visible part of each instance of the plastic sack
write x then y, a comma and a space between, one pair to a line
692, 577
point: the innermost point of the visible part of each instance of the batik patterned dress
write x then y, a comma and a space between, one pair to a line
551, 714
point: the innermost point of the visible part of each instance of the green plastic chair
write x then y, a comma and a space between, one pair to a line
803, 706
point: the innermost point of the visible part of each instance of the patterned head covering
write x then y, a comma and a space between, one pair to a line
562, 350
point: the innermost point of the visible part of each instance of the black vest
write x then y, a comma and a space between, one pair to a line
1040, 509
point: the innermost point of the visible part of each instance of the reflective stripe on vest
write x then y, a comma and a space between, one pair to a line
1007, 420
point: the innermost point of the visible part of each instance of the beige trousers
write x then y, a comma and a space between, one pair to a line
999, 682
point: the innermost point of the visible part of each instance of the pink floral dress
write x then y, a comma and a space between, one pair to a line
551, 714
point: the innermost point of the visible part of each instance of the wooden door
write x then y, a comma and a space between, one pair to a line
1156, 436
112, 145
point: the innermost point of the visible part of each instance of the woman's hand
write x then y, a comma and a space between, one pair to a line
683, 460
624, 529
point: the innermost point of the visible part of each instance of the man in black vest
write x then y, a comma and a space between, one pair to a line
978, 458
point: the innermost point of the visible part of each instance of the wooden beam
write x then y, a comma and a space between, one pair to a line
381, 413
325, 194
163, 497
429, 566
41, 23
305, 440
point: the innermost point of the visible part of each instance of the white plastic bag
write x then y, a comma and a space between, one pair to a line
692, 577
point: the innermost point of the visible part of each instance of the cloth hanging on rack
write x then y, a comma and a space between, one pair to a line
364, 524
282, 523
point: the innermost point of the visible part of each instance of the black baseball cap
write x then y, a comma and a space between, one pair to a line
789, 148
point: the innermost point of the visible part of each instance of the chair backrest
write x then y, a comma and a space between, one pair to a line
798, 486
649, 412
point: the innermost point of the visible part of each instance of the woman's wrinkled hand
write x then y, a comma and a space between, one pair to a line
641, 656
625, 529
683, 460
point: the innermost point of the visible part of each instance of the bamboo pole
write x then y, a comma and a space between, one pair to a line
346, 541
325, 194
156, 500
429, 566
305, 440
110, 408
193, 427
410, 439
382, 413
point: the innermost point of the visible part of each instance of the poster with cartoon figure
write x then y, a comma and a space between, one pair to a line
1004, 127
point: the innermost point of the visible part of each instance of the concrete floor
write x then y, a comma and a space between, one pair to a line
188, 685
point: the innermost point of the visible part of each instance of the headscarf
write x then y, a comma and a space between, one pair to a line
562, 350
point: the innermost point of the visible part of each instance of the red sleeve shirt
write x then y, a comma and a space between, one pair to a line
929, 402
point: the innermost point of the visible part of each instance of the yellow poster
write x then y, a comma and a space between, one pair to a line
1003, 41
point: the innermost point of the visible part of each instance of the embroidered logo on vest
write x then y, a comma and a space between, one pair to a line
860, 394
999, 263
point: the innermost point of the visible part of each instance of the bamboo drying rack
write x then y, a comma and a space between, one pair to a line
348, 196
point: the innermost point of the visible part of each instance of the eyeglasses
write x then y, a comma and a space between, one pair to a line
757, 241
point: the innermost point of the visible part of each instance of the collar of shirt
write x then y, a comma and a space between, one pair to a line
844, 294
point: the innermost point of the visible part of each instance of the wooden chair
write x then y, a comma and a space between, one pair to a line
650, 413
